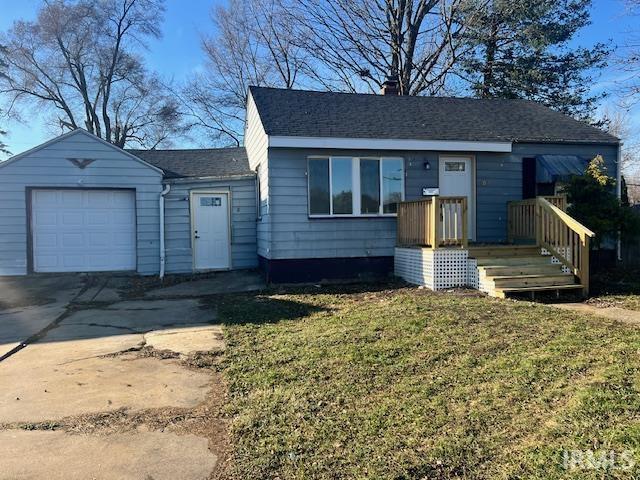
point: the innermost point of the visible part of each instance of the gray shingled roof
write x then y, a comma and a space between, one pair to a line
206, 162
347, 115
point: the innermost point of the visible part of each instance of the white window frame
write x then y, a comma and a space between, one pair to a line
355, 187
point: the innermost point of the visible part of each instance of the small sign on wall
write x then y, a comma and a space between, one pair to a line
430, 192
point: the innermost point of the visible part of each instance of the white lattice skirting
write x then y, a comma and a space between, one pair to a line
435, 269
563, 251
447, 268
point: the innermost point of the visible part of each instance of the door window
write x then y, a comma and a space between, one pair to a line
454, 166
210, 201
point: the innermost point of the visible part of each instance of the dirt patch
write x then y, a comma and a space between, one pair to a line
199, 360
150, 352
196, 360
604, 302
136, 287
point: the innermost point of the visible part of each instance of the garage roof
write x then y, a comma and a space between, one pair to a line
203, 162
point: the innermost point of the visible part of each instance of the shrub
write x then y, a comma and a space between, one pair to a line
593, 202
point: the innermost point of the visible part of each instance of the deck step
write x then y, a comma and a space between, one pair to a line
522, 269
500, 251
510, 269
523, 281
513, 260
503, 292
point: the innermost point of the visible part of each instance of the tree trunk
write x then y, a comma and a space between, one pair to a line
491, 48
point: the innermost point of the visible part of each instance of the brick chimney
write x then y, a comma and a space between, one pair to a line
390, 86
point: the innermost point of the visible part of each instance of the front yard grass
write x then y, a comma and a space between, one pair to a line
403, 383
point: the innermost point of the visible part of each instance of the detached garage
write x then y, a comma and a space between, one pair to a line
79, 204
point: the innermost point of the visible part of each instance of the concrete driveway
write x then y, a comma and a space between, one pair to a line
103, 380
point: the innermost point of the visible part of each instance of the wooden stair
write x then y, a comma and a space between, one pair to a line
507, 270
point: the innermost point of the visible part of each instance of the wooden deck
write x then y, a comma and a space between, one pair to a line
538, 225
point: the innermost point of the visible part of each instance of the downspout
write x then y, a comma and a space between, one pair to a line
619, 194
165, 190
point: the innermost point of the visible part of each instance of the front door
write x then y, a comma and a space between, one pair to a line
456, 179
211, 231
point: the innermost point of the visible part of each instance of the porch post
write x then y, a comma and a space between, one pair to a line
435, 226
465, 224
584, 264
538, 223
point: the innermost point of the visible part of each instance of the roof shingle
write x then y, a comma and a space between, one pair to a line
207, 162
347, 115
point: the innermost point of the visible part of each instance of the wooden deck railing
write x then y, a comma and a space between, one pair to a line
452, 229
415, 223
559, 201
521, 217
565, 238
543, 220
433, 222
442, 222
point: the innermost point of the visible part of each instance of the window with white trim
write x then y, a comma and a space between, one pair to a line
355, 186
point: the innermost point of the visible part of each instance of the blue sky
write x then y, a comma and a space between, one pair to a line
178, 52
174, 56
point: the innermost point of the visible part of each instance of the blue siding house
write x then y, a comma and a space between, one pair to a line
328, 185
333, 165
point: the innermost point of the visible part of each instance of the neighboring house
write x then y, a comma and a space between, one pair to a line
314, 197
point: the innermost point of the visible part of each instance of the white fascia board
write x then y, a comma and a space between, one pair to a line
384, 144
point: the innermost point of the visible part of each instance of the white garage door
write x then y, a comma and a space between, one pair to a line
83, 230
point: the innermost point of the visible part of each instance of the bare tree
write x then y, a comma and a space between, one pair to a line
253, 45
630, 58
360, 42
343, 45
618, 122
80, 60
3, 66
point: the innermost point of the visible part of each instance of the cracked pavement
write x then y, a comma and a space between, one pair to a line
93, 355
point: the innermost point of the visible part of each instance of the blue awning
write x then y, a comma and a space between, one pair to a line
553, 168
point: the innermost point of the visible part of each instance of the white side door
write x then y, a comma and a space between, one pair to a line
456, 179
210, 230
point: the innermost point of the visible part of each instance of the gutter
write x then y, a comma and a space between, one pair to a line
220, 178
619, 194
165, 190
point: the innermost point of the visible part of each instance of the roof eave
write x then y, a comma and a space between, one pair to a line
570, 141
210, 178
280, 141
